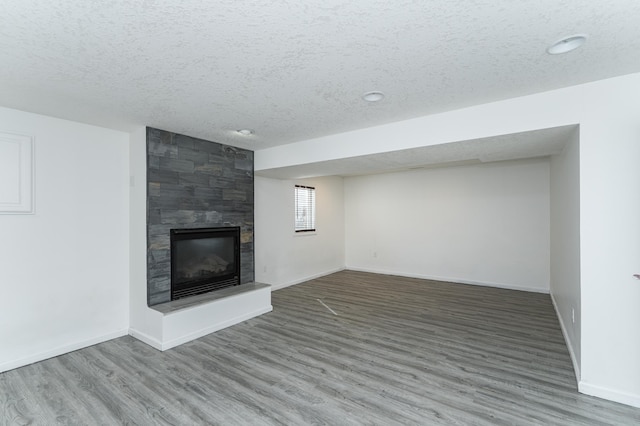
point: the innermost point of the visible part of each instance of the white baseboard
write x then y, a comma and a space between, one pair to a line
450, 280
609, 394
567, 341
60, 350
210, 329
275, 287
143, 337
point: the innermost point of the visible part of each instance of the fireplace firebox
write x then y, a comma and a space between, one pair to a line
204, 260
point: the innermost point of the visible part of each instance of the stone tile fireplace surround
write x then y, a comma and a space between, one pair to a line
194, 183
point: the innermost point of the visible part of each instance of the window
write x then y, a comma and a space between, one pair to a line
305, 208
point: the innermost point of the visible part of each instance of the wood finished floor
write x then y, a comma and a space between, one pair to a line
400, 351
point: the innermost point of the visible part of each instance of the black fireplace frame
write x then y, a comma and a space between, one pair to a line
200, 286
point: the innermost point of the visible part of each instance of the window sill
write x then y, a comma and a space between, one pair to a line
305, 234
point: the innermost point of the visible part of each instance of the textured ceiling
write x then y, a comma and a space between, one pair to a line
516, 146
295, 70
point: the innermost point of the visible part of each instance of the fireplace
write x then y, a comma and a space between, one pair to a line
204, 260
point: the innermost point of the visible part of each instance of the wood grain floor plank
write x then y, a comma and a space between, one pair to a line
350, 348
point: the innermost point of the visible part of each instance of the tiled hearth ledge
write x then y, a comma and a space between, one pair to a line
193, 317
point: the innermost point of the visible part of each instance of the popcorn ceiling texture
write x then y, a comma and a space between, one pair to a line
295, 70
193, 183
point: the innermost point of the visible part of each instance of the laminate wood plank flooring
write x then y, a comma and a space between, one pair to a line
350, 348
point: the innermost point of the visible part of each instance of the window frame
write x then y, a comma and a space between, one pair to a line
307, 225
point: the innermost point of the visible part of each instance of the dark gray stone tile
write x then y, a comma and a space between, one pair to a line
244, 164
201, 180
160, 255
191, 203
176, 166
153, 162
237, 207
183, 141
158, 149
212, 194
222, 182
193, 183
160, 297
178, 217
208, 147
213, 217
198, 157
153, 215
163, 176
159, 230
161, 272
210, 169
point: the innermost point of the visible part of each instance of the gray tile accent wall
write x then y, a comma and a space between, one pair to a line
194, 183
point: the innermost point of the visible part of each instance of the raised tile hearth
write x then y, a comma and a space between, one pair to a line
188, 319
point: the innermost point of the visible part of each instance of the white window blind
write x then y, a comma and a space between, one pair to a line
305, 197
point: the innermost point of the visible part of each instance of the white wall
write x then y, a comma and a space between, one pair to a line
609, 243
482, 224
607, 112
565, 244
145, 324
283, 257
64, 270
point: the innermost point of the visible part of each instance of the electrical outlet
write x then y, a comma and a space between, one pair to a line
573, 315
264, 269
375, 254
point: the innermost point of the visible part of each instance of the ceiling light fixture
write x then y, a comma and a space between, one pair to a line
245, 132
373, 96
567, 44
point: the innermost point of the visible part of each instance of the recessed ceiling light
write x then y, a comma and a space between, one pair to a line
567, 44
245, 132
373, 96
